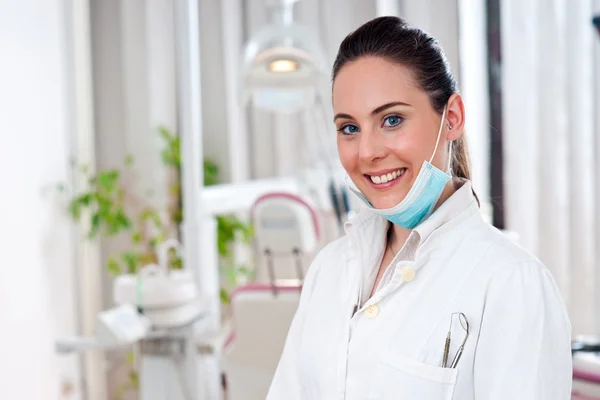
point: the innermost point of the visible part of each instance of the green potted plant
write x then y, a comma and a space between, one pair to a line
115, 210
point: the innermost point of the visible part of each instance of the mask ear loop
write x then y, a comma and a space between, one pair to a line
449, 169
439, 135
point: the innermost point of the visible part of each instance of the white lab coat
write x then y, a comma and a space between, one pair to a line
392, 347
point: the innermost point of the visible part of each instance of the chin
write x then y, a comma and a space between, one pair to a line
384, 202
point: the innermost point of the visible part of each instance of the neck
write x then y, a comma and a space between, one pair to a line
399, 234
448, 191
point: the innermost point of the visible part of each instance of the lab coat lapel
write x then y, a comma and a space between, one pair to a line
367, 234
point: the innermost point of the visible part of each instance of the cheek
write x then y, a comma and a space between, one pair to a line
406, 149
412, 148
348, 155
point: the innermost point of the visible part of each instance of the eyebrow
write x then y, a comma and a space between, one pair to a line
375, 111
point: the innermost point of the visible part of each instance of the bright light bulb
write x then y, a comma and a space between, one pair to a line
283, 66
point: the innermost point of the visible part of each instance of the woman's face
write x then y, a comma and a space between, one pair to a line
386, 128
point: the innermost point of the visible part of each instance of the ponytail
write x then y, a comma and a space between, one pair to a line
460, 164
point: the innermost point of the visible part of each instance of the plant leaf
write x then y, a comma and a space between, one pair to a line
136, 237
134, 379
113, 267
165, 133
176, 262
229, 272
130, 358
85, 199
122, 220
224, 295
147, 258
107, 180
178, 216
95, 225
131, 261
151, 215
211, 173
75, 209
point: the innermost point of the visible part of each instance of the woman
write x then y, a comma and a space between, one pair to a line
421, 299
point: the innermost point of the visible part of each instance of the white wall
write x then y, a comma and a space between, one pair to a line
37, 278
550, 64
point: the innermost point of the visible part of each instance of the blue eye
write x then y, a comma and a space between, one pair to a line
349, 129
392, 121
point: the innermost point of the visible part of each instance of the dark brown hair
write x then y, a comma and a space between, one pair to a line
394, 39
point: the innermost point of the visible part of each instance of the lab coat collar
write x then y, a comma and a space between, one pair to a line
367, 230
455, 205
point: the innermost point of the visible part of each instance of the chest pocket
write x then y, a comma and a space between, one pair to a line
400, 377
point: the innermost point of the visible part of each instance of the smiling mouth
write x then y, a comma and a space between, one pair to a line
387, 178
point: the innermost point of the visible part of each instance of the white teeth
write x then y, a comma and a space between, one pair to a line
387, 177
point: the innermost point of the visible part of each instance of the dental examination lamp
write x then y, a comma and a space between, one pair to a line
284, 64
285, 71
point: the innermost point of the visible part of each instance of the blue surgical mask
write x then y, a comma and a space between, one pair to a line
424, 194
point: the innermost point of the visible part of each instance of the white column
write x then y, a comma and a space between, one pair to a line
161, 69
201, 372
553, 139
596, 88
440, 19
260, 122
388, 7
216, 120
89, 265
474, 86
519, 102
582, 264
237, 124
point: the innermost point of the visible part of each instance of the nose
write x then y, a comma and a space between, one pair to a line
372, 146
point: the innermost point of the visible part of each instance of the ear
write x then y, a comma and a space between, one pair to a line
455, 117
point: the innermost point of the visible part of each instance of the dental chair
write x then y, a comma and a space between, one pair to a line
285, 225
287, 231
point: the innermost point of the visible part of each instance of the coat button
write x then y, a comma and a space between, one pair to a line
408, 274
372, 311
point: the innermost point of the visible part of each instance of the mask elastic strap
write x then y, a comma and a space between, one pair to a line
439, 135
449, 158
